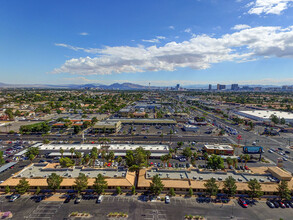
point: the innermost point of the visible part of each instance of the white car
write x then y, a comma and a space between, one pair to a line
270, 151
167, 199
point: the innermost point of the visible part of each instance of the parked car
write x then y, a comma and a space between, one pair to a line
282, 205
14, 197
270, 204
77, 200
100, 199
276, 204
242, 202
167, 199
67, 200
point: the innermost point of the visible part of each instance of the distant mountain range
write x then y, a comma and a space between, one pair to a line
114, 86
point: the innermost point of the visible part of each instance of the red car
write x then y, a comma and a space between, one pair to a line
246, 167
242, 202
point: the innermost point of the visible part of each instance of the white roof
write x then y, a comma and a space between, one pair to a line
266, 114
219, 147
114, 147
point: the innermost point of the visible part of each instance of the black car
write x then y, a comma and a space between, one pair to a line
67, 200
291, 204
39, 198
270, 204
276, 204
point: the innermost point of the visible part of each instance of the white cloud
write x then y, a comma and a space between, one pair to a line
240, 27
200, 52
268, 6
171, 27
155, 40
84, 33
187, 30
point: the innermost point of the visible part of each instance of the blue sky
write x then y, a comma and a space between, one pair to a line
163, 42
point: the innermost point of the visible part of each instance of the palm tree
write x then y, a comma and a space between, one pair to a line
72, 150
206, 157
148, 154
229, 161
78, 155
235, 162
61, 152
94, 156
246, 158
241, 159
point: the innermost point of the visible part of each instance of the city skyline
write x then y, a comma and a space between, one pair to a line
162, 42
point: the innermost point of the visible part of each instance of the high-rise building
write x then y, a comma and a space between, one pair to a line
177, 87
210, 86
221, 87
234, 87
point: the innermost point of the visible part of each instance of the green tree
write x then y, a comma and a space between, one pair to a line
38, 190
100, 184
187, 152
275, 119
229, 162
133, 190
66, 162
282, 121
206, 157
230, 186
190, 192
54, 181
22, 186
81, 182
72, 150
172, 192
61, 152
32, 151
78, 155
76, 129
156, 185
283, 190
2, 161
246, 158
211, 187
46, 141
215, 162
94, 120
118, 190
7, 189
254, 189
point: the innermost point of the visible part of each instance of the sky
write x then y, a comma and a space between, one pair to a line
161, 42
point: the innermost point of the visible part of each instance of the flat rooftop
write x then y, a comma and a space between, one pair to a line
43, 170
195, 174
266, 114
113, 147
219, 147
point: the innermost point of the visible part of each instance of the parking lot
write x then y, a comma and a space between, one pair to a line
25, 208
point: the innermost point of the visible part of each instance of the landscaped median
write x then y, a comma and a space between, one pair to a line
195, 217
80, 214
117, 215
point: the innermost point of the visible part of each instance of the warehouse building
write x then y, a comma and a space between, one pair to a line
265, 115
